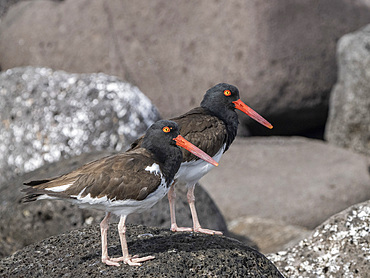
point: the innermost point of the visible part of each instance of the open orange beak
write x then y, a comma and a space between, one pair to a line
251, 113
182, 142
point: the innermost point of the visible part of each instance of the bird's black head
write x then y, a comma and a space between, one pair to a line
161, 134
220, 101
163, 139
220, 97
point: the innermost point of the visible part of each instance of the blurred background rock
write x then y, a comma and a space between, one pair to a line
303, 65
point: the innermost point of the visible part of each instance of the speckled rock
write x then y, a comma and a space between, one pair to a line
349, 118
340, 247
46, 115
77, 254
22, 224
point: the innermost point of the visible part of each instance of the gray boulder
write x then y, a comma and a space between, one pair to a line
269, 235
295, 180
349, 118
77, 254
23, 224
340, 247
5, 4
46, 115
281, 54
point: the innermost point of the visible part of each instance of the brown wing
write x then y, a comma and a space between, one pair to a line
205, 131
119, 177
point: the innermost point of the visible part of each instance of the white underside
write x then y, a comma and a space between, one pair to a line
191, 172
118, 207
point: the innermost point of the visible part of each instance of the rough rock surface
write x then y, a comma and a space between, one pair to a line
269, 235
281, 54
349, 118
22, 224
296, 180
77, 254
340, 247
46, 115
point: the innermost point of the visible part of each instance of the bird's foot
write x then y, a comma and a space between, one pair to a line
134, 260
174, 228
207, 231
109, 261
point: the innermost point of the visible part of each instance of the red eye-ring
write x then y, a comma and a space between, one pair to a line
227, 93
166, 129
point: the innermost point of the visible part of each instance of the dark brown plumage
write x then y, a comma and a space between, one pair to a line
202, 129
120, 177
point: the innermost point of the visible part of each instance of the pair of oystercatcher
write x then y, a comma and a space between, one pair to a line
212, 127
135, 180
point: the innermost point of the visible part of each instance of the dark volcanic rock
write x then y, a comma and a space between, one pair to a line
22, 224
46, 115
77, 254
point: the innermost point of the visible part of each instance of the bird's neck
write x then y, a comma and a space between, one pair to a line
171, 165
229, 116
169, 161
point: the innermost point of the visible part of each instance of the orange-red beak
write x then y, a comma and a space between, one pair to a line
251, 113
182, 142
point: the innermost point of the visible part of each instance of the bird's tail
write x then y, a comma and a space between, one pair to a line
32, 192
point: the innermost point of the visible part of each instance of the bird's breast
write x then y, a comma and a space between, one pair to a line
192, 171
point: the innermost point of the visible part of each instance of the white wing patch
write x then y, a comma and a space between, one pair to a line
59, 188
154, 168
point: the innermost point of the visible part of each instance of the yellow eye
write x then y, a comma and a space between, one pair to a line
227, 93
166, 129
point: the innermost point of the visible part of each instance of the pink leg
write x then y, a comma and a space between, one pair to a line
104, 226
172, 201
196, 225
126, 258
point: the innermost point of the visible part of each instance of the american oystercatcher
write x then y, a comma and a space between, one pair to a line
212, 127
122, 184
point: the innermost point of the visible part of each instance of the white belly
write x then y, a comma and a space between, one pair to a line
191, 172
